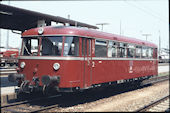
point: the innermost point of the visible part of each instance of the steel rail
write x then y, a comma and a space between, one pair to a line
28, 101
145, 108
44, 108
155, 80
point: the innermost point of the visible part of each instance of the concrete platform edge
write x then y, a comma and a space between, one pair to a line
8, 97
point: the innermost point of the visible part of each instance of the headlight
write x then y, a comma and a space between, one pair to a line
56, 66
22, 65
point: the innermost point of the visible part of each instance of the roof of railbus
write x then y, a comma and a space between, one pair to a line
84, 32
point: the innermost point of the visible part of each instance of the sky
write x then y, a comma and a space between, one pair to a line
131, 18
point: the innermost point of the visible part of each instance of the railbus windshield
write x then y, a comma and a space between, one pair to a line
30, 46
50, 46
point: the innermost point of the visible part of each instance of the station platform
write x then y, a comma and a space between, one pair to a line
163, 69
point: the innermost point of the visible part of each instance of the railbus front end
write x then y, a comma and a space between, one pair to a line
49, 62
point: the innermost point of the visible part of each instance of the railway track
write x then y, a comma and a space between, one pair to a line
155, 80
161, 105
16, 107
28, 101
25, 106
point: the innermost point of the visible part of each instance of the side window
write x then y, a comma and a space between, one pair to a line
100, 48
89, 47
130, 51
84, 47
144, 52
150, 52
138, 51
155, 53
110, 44
122, 50
112, 49
86, 42
147, 52
71, 46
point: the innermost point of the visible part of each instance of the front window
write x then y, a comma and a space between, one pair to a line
30, 46
71, 46
51, 46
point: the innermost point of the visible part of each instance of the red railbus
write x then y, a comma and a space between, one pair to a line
71, 58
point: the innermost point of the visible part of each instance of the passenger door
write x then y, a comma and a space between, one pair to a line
86, 53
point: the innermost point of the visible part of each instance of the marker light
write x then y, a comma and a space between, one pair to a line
22, 65
40, 31
56, 66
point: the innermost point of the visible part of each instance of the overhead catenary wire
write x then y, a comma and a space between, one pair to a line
149, 9
146, 11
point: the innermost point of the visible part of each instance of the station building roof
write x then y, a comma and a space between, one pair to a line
21, 19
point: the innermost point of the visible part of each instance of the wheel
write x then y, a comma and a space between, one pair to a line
45, 90
24, 87
48, 90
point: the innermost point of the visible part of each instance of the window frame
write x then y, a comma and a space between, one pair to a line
130, 48
46, 37
106, 45
123, 47
140, 48
38, 46
78, 50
